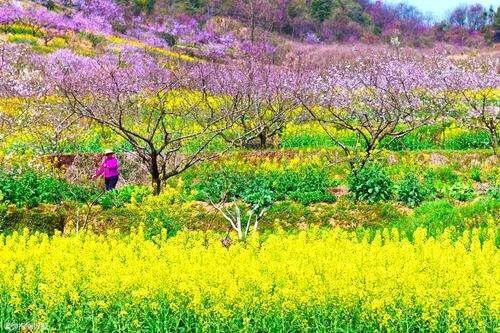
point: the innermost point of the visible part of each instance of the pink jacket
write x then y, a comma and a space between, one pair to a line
109, 167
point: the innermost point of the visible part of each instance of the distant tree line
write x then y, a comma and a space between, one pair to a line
341, 20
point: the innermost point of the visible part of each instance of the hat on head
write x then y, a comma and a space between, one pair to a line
108, 151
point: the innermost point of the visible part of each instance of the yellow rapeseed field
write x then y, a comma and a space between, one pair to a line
309, 281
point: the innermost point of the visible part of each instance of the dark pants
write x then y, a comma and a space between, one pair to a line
110, 182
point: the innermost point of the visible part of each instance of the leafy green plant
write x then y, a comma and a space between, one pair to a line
263, 188
410, 191
439, 215
31, 189
44, 218
461, 192
310, 197
169, 38
493, 191
124, 195
475, 174
370, 184
445, 174
158, 219
419, 139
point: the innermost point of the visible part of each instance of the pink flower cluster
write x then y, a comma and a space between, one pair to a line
41, 16
129, 72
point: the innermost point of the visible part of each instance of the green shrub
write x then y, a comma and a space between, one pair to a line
169, 38
286, 214
438, 180
31, 189
321, 9
4, 222
44, 218
494, 192
445, 174
310, 197
315, 140
262, 188
306, 186
475, 174
410, 191
431, 186
419, 139
370, 184
124, 195
158, 219
437, 215
253, 188
461, 192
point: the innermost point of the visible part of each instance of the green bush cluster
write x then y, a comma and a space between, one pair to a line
121, 196
475, 174
437, 215
461, 192
261, 188
411, 192
32, 189
370, 184
422, 138
494, 192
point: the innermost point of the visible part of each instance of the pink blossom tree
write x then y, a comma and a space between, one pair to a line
262, 96
131, 94
379, 98
475, 81
20, 79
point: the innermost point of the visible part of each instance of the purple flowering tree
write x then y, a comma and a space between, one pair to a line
19, 78
261, 96
131, 94
379, 98
475, 82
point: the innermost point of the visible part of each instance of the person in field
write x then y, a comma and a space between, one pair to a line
110, 169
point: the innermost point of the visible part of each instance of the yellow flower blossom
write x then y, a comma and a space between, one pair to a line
312, 275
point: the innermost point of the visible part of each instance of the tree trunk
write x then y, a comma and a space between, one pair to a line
263, 139
252, 29
494, 138
494, 143
155, 174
